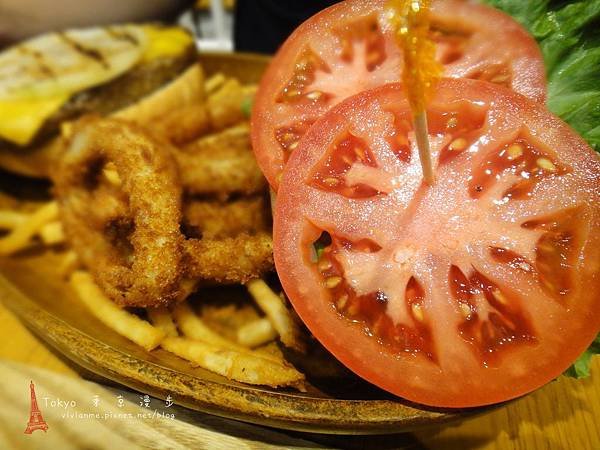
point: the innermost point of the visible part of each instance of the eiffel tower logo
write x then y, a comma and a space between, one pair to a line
36, 421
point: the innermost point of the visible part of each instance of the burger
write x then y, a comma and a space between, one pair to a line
136, 72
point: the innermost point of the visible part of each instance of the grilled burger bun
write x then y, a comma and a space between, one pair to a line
136, 72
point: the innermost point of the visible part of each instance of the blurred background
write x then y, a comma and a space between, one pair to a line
220, 25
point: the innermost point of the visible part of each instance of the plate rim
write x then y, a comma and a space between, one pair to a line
302, 412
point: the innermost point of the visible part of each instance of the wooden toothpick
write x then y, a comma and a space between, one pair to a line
422, 135
410, 19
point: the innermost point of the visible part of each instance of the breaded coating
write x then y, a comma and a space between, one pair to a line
221, 164
229, 260
184, 124
135, 258
119, 194
216, 220
225, 105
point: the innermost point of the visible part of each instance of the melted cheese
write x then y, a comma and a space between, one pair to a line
38, 76
165, 41
21, 119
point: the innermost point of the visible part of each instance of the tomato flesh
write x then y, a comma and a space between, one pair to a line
350, 47
475, 290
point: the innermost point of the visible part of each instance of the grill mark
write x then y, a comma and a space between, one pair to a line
122, 36
39, 59
90, 53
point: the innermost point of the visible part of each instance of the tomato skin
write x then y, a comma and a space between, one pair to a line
458, 380
497, 40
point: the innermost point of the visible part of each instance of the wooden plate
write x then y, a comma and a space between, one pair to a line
31, 286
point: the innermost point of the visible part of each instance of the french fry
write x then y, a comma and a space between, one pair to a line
214, 83
52, 233
184, 124
185, 90
11, 219
221, 164
249, 89
19, 237
193, 327
124, 323
69, 263
280, 317
244, 367
161, 318
225, 105
187, 287
256, 333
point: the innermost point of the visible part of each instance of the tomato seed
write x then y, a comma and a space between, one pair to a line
360, 153
515, 151
341, 302
353, 309
372, 58
500, 79
417, 312
458, 144
465, 309
324, 264
546, 164
332, 282
500, 297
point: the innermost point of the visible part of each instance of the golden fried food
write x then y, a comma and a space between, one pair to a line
62, 83
123, 322
229, 260
146, 269
236, 137
256, 333
52, 233
186, 89
247, 367
207, 348
160, 201
214, 82
224, 105
10, 219
161, 318
69, 263
215, 220
278, 314
120, 200
221, 164
20, 236
184, 124
193, 327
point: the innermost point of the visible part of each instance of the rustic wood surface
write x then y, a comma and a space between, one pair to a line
563, 415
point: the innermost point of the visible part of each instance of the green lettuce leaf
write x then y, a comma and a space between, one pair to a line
568, 33
581, 367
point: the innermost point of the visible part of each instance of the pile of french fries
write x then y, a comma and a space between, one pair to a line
249, 357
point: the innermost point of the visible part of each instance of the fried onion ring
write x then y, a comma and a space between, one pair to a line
151, 273
220, 164
216, 220
229, 260
120, 199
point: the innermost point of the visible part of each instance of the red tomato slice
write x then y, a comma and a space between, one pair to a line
475, 290
349, 48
